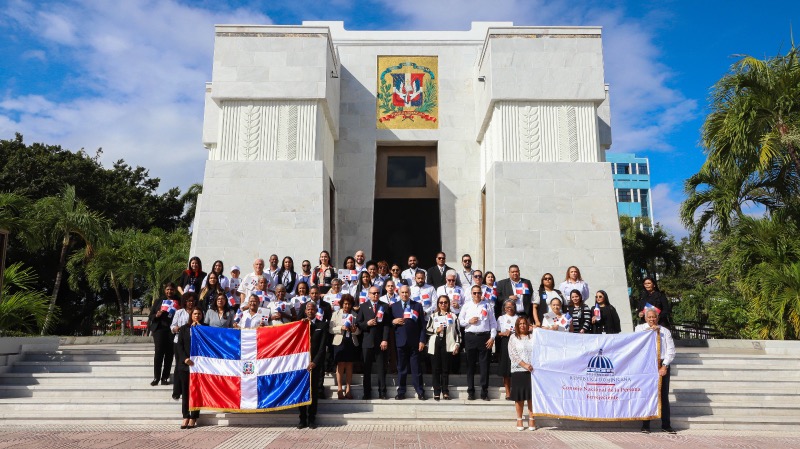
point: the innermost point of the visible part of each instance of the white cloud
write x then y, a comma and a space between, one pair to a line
141, 68
666, 209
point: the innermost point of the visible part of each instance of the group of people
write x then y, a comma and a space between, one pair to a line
382, 315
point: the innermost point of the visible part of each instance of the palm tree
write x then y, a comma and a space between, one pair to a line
11, 208
22, 308
162, 256
64, 219
755, 113
189, 201
648, 252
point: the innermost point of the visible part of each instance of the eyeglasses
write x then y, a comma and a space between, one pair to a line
477, 276
395, 269
443, 302
466, 260
439, 258
374, 293
547, 278
598, 296
476, 293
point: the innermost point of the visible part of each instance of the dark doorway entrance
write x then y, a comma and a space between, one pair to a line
406, 219
404, 227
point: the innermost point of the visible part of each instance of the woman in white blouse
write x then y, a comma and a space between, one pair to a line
520, 347
554, 320
574, 281
505, 328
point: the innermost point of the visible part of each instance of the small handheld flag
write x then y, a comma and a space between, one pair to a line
379, 315
231, 299
319, 316
168, 305
484, 312
426, 300
238, 316
649, 306
596, 311
362, 297
411, 314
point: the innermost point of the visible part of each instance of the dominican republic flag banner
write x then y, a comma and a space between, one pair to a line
596, 377
250, 370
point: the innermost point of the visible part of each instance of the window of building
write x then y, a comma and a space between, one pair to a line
623, 169
642, 169
624, 195
405, 171
644, 198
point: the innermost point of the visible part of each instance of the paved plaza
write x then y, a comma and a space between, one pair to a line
376, 436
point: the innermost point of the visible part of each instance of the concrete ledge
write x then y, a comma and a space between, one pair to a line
103, 340
13, 349
768, 346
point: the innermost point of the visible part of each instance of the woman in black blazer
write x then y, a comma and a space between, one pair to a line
183, 348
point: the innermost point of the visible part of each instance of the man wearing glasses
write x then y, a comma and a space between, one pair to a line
436, 272
409, 322
466, 277
480, 328
372, 319
305, 276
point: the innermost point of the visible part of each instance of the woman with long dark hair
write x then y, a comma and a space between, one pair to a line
345, 344
191, 279
581, 315
219, 268
208, 295
520, 348
444, 341
220, 313
287, 276
654, 298
547, 292
159, 323
605, 319
183, 350
324, 272
181, 317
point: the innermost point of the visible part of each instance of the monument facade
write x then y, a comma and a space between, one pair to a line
489, 141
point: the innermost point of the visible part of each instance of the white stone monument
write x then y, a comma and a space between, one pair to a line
489, 142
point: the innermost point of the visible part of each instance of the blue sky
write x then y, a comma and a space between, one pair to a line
128, 75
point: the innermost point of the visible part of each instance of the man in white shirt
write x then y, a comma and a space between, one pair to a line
272, 273
452, 291
480, 328
666, 357
423, 293
465, 279
361, 260
410, 274
250, 281
252, 317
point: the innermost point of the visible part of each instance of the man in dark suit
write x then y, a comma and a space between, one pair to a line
514, 285
158, 322
316, 298
436, 273
375, 341
410, 340
319, 335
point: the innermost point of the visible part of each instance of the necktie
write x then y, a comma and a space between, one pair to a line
375, 308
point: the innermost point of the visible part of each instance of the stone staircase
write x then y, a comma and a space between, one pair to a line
738, 385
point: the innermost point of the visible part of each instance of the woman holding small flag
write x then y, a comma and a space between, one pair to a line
444, 341
605, 319
323, 273
345, 341
220, 314
208, 295
554, 320
581, 315
159, 323
181, 317
183, 350
192, 278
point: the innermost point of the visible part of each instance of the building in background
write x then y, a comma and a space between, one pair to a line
631, 177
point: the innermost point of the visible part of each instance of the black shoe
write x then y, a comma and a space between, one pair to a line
645, 430
184, 427
400, 397
302, 425
312, 424
175, 397
381, 396
154, 383
366, 397
668, 430
421, 396
165, 382
471, 397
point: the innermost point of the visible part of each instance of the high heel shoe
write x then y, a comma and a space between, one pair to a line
348, 395
340, 394
531, 424
519, 424
185, 424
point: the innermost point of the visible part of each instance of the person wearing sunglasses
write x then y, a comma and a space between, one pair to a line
605, 319
444, 341
372, 319
547, 292
466, 277
305, 273
480, 330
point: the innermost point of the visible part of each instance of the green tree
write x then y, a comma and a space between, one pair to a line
23, 308
11, 211
189, 199
60, 220
647, 252
755, 113
163, 256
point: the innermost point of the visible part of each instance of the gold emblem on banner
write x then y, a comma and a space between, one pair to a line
408, 92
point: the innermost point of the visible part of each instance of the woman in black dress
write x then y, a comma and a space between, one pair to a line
192, 278
184, 362
605, 319
653, 297
345, 343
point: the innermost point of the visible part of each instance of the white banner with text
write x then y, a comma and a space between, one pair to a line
595, 377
